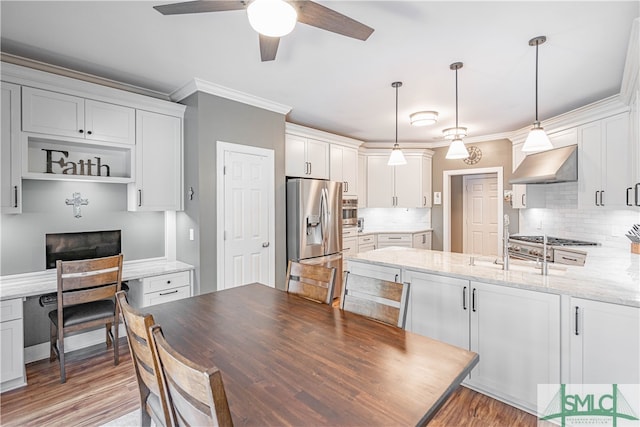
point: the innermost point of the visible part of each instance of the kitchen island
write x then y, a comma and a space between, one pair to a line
576, 325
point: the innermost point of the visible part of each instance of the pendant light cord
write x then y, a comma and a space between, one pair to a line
396, 115
537, 44
456, 99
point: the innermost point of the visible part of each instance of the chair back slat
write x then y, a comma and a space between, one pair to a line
196, 394
315, 282
73, 281
378, 299
146, 365
88, 295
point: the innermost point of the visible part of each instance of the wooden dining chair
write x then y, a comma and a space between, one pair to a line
195, 393
86, 291
378, 299
314, 282
153, 400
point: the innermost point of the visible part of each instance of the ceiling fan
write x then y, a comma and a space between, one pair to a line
264, 14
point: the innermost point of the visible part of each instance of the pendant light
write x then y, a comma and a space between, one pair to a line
537, 140
457, 150
396, 158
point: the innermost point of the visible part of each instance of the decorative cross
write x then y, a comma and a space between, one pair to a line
77, 201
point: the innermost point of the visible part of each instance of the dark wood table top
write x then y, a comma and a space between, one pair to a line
286, 360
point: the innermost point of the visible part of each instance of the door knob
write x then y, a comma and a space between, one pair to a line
265, 244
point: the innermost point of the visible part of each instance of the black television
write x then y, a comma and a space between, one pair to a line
82, 245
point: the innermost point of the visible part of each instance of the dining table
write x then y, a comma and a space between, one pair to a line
289, 361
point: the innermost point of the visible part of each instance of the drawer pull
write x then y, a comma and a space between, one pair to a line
168, 282
569, 259
175, 291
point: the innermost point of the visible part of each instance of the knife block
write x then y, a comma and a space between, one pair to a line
635, 248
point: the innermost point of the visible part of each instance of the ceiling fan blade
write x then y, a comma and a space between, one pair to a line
268, 47
199, 6
319, 16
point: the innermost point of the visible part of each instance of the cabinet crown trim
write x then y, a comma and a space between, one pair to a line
199, 85
305, 132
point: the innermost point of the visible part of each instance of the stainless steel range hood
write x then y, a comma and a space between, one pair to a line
547, 167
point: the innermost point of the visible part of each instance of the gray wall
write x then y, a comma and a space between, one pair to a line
22, 236
494, 154
44, 211
210, 119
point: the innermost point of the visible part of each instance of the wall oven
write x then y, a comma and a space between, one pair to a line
349, 212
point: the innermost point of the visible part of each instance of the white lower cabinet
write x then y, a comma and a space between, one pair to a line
604, 343
12, 372
422, 240
159, 289
367, 242
516, 332
395, 239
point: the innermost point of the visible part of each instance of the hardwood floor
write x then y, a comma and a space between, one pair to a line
97, 392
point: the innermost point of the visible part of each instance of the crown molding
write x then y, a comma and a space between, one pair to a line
199, 85
8, 58
306, 132
631, 73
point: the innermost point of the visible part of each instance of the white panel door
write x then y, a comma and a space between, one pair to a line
110, 122
52, 113
481, 216
246, 219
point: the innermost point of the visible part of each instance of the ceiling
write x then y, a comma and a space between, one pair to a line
343, 85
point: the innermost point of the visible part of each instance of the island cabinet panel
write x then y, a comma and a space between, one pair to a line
11, 345
438, 307
516, 332
391, 274
604, 341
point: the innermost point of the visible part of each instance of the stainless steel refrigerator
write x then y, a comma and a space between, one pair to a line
314, 224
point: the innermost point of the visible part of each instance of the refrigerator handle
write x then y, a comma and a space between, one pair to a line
323, 217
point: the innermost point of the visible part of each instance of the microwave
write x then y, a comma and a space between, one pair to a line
350, 212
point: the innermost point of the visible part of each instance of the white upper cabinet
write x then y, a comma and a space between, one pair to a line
344, 168
158, 183
58, 114
306, 158
10, 179
362, 181
632, 198
405, 186
604, 163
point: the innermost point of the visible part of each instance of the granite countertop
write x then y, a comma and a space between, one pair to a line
43, 282
609, 275
401, 229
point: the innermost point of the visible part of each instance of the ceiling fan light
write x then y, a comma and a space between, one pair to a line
396, 158
453, 133
272, 18
457, 150
537, 140
424, 118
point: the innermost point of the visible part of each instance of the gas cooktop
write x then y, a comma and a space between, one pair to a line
553, 241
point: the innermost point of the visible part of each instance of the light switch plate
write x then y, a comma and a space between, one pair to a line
191, 234
437, 198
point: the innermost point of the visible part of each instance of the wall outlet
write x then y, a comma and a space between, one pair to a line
191, 234
437, 198
540, 225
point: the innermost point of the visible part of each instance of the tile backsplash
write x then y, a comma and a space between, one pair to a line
391, 218
562, 218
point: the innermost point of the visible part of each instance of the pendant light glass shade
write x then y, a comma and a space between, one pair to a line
457, 150
537, 140
272, 18
423, 118
396, 158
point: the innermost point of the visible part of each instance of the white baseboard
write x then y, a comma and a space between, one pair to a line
71, 343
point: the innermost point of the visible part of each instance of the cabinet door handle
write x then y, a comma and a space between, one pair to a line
627, 195
602, 198
168, 282
424, 202
577, 316
396, 279
424, 239
473, 300
464, 298
522, 200
89, 132
597, 198
15, 196
175, 291
80, 131
309, 168
637, 195
139, 197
